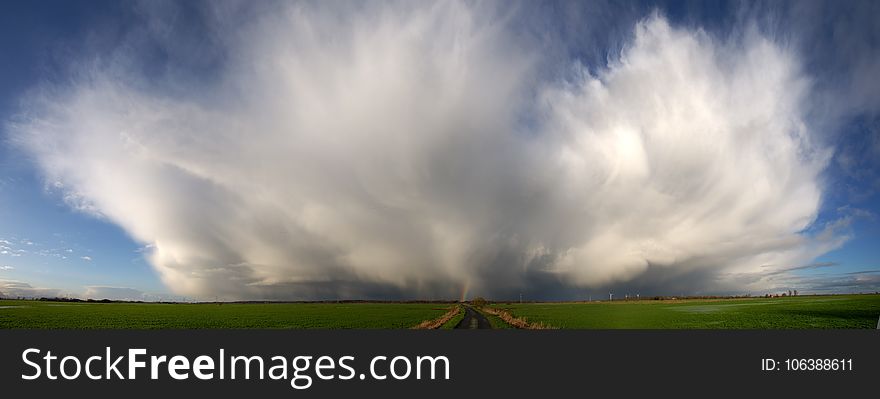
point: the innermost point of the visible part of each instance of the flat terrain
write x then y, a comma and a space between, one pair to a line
44, 314
837, 311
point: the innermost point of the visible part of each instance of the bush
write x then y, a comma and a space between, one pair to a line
479, 302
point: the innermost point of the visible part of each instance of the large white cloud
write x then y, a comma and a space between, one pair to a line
419, 151
686, 152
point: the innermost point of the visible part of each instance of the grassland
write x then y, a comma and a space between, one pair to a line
45, 314
496, 322
838, 311
454, 320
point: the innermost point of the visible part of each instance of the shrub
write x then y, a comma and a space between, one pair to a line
479, 302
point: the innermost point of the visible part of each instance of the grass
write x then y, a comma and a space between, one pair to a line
63, 315
496, 321
513, 321
439, 322
838, 311
454, 320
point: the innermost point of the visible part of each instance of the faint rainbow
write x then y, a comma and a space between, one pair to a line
464, 291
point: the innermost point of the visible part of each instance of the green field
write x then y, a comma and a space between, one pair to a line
453, 321
837, 311
496, 322
45, 314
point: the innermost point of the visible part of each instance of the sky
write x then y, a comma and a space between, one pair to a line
238, 150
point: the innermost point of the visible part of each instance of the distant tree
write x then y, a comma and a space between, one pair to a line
479, 302
795, 292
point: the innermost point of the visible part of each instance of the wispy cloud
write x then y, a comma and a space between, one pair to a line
20, 247
810, 266
4, 268
863, 281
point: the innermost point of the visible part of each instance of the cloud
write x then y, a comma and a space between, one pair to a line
4, 268
127, 294
114, 293
10, 249
854, 282
14, 289
687, 151
816, 265
421, 150
86, 258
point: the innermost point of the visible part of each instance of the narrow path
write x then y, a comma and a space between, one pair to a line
473, 320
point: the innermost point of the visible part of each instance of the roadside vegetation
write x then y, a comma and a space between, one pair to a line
442, 321
495, 321
506, 317
454, 320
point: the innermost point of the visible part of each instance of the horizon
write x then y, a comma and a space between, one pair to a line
440, 300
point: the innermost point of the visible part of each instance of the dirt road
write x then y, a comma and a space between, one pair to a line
473, 320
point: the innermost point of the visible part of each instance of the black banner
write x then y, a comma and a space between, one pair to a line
513, 363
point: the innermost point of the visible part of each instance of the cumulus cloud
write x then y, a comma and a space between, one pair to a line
688, 152
420, 150
9, 248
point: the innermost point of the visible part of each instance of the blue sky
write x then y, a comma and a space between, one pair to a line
55, 246
37, 38
191, 64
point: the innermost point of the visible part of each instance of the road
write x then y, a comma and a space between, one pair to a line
473, 320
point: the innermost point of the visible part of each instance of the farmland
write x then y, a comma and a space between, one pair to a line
85, 315
837, 311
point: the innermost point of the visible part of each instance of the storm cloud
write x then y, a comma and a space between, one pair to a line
412, 151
